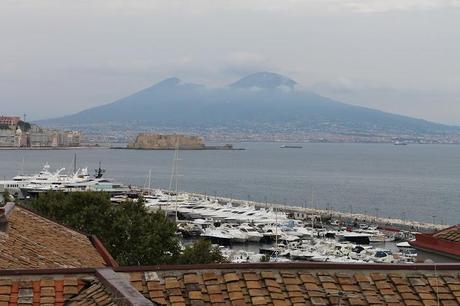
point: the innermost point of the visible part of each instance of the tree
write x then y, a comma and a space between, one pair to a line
131, 234
201, 252
6, 196
265, 258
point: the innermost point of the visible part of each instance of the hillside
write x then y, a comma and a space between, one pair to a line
260, 101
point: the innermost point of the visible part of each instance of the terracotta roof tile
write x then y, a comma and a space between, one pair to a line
251, 276
253, 284
28, 290
209, 276
303, 287
32, 241
451, 234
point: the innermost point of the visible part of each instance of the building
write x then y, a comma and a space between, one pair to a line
8, 136
166, 142
441, 246
6, 120
70, 139
16, 133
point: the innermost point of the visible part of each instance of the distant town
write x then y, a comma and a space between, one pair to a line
15, 132
125, 133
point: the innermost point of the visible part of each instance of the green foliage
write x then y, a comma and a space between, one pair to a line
265, 258
24, 126
6, 197
131, 234
201, 252
326, 219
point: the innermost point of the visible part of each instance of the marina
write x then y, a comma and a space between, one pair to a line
245, 231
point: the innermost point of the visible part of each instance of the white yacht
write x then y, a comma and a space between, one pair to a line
216, 235
16, 185
80, 180
253, 234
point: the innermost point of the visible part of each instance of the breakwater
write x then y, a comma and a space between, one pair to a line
300, 212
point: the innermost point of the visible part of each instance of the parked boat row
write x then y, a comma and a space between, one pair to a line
321, 250
228, 224
24, 186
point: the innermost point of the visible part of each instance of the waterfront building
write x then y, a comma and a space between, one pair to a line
16, 133
9, 120
7, 136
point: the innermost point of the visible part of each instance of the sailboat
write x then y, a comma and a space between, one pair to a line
174, 179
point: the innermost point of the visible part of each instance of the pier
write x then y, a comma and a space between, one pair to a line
304, 212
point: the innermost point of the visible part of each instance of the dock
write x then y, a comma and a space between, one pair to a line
305, 212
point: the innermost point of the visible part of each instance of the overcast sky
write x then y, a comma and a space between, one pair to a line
62, 56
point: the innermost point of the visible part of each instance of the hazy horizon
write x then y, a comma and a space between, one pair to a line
61, 57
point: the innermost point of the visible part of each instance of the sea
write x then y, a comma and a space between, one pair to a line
412, 182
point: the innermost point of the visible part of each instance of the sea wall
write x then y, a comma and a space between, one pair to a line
166, 142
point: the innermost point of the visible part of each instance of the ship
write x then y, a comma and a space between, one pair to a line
291, 147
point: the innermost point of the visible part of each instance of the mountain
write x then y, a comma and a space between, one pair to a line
262, 101
264, 80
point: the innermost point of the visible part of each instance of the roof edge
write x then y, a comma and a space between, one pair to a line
7, 208
67, 271
105, 254
121, 289
294, 265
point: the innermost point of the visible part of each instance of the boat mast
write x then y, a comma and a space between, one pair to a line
75, 163
150, 178
174, 176
177, 174
276, 235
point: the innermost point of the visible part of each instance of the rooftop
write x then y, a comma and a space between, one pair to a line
298, 284
451, 233
445, 242
81, 286
29, 241
276, 284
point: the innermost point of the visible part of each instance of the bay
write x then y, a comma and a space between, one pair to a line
415, 182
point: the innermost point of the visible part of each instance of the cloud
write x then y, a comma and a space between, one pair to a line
340, 85
292, 6
242, 63
379, 6
203, 7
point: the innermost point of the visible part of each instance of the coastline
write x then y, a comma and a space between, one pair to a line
51, 148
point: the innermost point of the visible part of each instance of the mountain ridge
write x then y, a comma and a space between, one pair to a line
259, 101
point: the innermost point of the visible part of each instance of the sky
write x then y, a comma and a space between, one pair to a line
59, 57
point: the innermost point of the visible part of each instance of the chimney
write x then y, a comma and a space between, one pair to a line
5, 211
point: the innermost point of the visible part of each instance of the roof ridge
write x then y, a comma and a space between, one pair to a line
293, 266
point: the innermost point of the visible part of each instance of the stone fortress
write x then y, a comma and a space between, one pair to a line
152, 141
167, 142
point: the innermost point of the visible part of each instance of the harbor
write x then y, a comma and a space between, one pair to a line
247, 231
253, 232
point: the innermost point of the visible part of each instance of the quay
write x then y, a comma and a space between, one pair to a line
297, 212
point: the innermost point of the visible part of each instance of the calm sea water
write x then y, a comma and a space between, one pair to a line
419, 182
